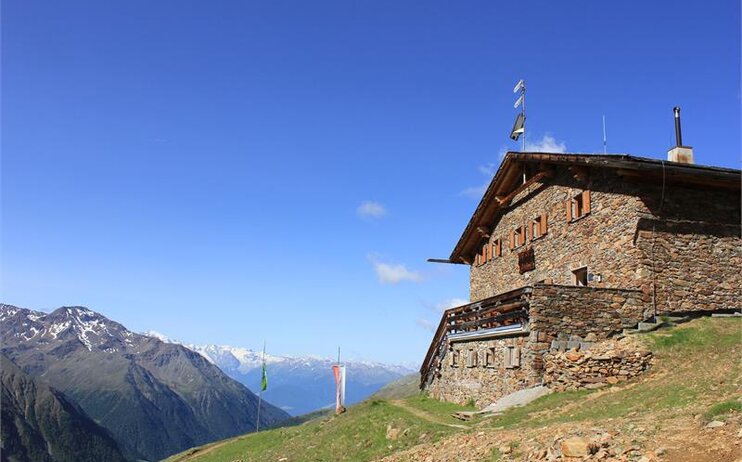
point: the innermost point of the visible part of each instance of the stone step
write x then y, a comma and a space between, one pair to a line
648, 326
677, 319
726, 315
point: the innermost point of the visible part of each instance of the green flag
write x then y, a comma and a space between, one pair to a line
264, 380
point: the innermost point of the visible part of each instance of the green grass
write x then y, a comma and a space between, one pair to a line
359, 434
694, 372
721, 409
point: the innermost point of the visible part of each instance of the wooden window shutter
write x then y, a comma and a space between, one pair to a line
498, 248
585, 202
511, 244
515, 357
522, 235
506, 359
489, 250
544, 225
569, 210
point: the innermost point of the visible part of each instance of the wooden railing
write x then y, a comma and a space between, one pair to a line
500, 310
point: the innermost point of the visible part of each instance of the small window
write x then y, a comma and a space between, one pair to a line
454, 358
538, 227
497, 248
512, 357
578, 206
483, 256
580, 276
517, 237
489, 357
472, 362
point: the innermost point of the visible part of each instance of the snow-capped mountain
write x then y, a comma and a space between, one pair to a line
297, 384
154, 398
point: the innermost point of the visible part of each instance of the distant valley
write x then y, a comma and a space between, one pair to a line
298, 385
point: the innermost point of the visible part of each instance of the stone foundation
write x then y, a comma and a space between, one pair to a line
484, 383
604, 363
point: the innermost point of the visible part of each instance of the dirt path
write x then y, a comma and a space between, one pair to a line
419, 413
200, 452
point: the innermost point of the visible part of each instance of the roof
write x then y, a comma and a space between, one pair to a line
506, 182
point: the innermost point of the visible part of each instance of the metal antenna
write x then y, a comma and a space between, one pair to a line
605, 140
523, 111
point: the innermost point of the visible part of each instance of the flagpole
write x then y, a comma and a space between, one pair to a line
260, 392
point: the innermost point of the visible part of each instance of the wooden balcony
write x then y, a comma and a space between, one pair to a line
504, 309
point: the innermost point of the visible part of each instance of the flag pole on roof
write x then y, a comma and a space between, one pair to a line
519, 127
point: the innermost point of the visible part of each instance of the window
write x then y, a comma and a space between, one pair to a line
484, 255
517, 237
472, 362
497, 248
454, 358
489, 357
538, 227
580, 276
512, 357
578, 206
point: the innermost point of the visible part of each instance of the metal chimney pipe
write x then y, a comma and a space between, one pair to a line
678, 134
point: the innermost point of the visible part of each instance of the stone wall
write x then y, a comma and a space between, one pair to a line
604, 363
485, 383
557, 310
603, 240
691, 249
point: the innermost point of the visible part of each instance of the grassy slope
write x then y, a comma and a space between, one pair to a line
697, 373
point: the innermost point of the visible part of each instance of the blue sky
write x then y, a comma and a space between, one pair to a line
233, 171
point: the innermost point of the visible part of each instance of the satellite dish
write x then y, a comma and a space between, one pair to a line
518, 101
518, 86
518, 127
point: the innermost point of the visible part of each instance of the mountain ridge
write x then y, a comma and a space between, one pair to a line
41, 424
155, 398
297, 384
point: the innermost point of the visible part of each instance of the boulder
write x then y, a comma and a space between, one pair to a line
575, 447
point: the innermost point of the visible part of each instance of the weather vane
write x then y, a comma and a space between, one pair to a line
519, 127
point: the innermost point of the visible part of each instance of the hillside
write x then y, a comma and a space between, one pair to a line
40, 424
154, 398
686, 409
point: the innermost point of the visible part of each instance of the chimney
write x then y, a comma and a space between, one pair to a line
679, 153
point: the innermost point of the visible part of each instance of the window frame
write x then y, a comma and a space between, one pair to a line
577, 275
472, 359
489, 357
539, 223
579, 206
454, 358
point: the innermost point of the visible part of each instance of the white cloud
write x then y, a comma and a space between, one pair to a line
450, 303
546, 144
426, 324
394, 273
475, 192
371, 210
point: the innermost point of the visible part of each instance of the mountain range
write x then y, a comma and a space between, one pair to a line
297, 384
153, 398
